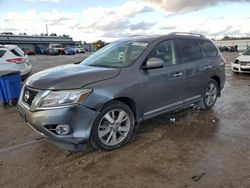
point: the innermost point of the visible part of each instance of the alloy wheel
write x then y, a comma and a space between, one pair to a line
114, 127
211, 94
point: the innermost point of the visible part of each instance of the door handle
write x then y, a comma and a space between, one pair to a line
178, 74
208, 67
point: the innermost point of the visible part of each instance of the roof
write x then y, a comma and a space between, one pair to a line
151, 38
10, 47
142, 38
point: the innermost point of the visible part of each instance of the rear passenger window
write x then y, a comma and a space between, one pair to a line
17, 52
189, 50
208, 48
2, 52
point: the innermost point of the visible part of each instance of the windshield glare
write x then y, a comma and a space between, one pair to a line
247, 52
117, 54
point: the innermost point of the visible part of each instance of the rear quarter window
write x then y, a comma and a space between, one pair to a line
208, 48
17, 52
189, 50
2, 52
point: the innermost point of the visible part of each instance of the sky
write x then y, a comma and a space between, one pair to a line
108, 20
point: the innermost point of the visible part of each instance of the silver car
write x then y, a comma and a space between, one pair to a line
105, 97
12, 58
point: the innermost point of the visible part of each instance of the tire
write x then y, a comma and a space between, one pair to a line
108, 133
210, 95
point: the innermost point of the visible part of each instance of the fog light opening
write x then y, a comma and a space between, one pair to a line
62, 129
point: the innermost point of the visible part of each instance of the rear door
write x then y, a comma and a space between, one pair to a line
212, 62
163, 88
192, 59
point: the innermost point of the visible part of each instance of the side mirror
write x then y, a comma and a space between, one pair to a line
153, 63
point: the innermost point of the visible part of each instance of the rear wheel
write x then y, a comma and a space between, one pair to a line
113, 127
210, 94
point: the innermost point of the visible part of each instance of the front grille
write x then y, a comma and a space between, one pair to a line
29, 95
248, 70
245, 63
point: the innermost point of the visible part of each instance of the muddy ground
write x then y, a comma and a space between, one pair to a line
210, 145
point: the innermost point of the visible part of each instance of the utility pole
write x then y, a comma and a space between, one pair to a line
47, 30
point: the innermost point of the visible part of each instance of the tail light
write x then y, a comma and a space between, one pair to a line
16, 60
222, 58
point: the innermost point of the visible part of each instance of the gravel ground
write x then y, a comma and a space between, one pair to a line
201, 149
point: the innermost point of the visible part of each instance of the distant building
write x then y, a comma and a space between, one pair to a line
31, 42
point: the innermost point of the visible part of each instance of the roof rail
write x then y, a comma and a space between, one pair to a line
134, 35
187, 33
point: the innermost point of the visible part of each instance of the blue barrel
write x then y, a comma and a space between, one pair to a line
10, 86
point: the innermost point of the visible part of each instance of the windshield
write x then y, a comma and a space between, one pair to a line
117, 54
247, 52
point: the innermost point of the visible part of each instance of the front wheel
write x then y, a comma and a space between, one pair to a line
113, 127
210, 94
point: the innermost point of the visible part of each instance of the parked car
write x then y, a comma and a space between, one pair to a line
58, 47
40, 50
232, 49
223, 48
105, 97
52, 51
12, 58
75, 49
28, 51
69, 51
80, 49
242, 63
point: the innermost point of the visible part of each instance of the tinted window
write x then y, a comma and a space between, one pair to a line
189, 50
247, 52
2, 52
17, 52
165, 51
208, 48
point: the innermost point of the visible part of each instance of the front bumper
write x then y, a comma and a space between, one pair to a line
240, 68
78, 117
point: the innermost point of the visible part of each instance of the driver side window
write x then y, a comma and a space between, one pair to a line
165, 51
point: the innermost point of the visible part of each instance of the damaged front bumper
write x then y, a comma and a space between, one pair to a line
78, 117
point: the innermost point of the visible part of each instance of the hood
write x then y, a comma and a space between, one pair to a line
244, 58
70, 77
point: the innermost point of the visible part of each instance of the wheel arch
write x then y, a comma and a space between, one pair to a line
217, 79
129, 102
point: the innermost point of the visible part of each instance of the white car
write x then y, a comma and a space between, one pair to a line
242, 63
12, 58
80, 49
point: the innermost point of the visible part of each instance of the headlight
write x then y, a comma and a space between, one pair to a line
236, 61
61, 98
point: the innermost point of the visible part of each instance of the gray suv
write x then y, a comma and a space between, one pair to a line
104, 98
